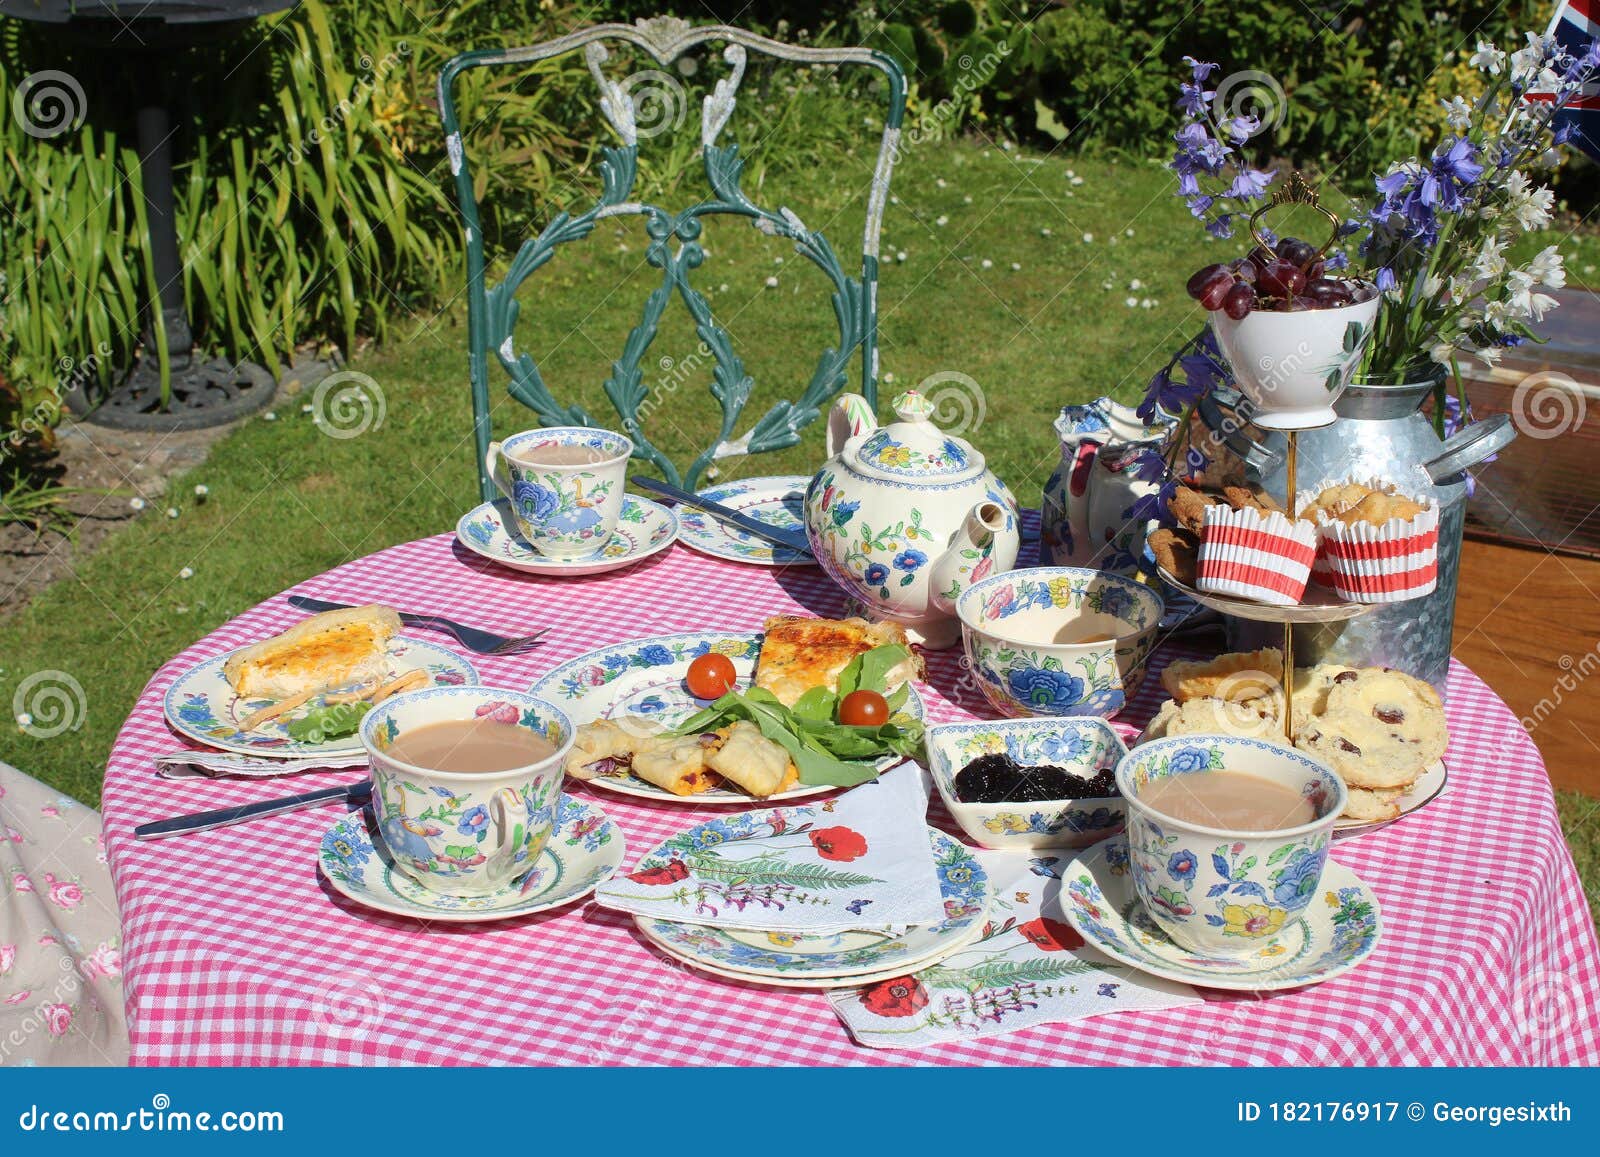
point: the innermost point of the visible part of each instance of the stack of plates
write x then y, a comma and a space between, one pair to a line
838, 960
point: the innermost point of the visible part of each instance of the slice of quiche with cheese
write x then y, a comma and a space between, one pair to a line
324, 651
798, 653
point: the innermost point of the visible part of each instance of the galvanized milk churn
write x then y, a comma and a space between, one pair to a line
1381, 433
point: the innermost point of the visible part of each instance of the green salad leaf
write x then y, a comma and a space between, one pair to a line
321, 724
823, 749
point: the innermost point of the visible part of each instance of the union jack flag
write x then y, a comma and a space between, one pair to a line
1575, 27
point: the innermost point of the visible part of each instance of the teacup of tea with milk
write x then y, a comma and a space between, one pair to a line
466, 783
564, 485
1227, 837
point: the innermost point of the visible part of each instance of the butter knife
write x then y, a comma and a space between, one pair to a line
792, 539
351, 794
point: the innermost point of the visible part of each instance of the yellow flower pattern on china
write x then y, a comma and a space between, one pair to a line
1252, 920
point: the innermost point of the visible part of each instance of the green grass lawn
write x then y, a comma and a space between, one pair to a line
1013, 273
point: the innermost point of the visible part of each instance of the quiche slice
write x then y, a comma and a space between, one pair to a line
798, 653
324, 651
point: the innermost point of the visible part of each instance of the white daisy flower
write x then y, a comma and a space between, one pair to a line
270, 416
1076, 181
1045, 232
1135, 284
939, 181
1088, 238
1131, 302
172, 512
186, 573
201, 490
1016, 267
941, 220
986, 264
135, 504
772, 283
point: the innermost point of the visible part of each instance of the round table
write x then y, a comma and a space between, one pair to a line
236, 952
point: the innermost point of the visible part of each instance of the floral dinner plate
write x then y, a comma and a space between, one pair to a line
753, 955
583, 852
1337, 932
777, 501
645, 528
201, 704
644, 678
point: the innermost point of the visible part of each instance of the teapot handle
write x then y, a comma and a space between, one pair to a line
851, 415
1466, 448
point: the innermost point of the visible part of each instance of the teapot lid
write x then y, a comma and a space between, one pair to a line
914, 449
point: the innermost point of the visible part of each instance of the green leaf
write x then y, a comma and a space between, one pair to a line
870, 670
817, 703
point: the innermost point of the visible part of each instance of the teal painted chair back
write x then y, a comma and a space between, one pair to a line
674, 248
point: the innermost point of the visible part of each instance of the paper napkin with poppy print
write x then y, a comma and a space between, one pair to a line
859, 861
1029, 966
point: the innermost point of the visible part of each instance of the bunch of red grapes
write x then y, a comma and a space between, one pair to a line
1289, 277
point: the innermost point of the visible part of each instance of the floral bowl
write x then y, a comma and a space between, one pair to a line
1010, 623
1219, 892
1081, 746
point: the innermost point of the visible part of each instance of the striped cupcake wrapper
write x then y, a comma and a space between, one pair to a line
1383, 564
1265, 558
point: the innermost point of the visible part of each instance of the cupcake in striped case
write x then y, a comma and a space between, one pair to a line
1255, 554
1383, 547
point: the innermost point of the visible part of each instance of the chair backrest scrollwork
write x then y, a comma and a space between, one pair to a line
674, 248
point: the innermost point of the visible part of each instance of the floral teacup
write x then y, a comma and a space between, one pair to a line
1220, 892
564, 485
1058, 640
464, 833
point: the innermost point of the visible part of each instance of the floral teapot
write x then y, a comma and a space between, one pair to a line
905, 517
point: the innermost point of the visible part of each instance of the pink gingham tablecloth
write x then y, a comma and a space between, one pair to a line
236, 952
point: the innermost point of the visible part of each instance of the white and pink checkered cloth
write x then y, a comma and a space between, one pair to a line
236, 953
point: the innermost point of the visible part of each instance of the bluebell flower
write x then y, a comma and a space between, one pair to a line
1250, 184
1200, 69
1193, 99
1221, 227
1386, 279
1242, 128
1195, 461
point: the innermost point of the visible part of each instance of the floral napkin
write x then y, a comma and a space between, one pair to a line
1029, 967
859, 861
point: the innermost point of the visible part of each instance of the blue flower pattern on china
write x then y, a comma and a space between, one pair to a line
1018, 679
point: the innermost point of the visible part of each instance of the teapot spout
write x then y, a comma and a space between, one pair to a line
971, 555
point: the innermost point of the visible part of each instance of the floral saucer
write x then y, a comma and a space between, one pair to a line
778, 501
583, 852
814, 982
643, 678
644, 528
1428, 787
201, 704
751, 954
1337, 932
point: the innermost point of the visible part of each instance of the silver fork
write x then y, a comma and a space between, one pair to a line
472, 638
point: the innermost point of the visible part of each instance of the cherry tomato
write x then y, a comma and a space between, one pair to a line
711, 676
864, 709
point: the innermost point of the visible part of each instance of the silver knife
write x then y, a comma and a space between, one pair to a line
352, 794
792, 539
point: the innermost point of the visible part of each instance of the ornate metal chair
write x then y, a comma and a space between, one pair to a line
492, 309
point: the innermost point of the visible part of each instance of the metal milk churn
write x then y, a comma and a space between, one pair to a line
1381, 433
